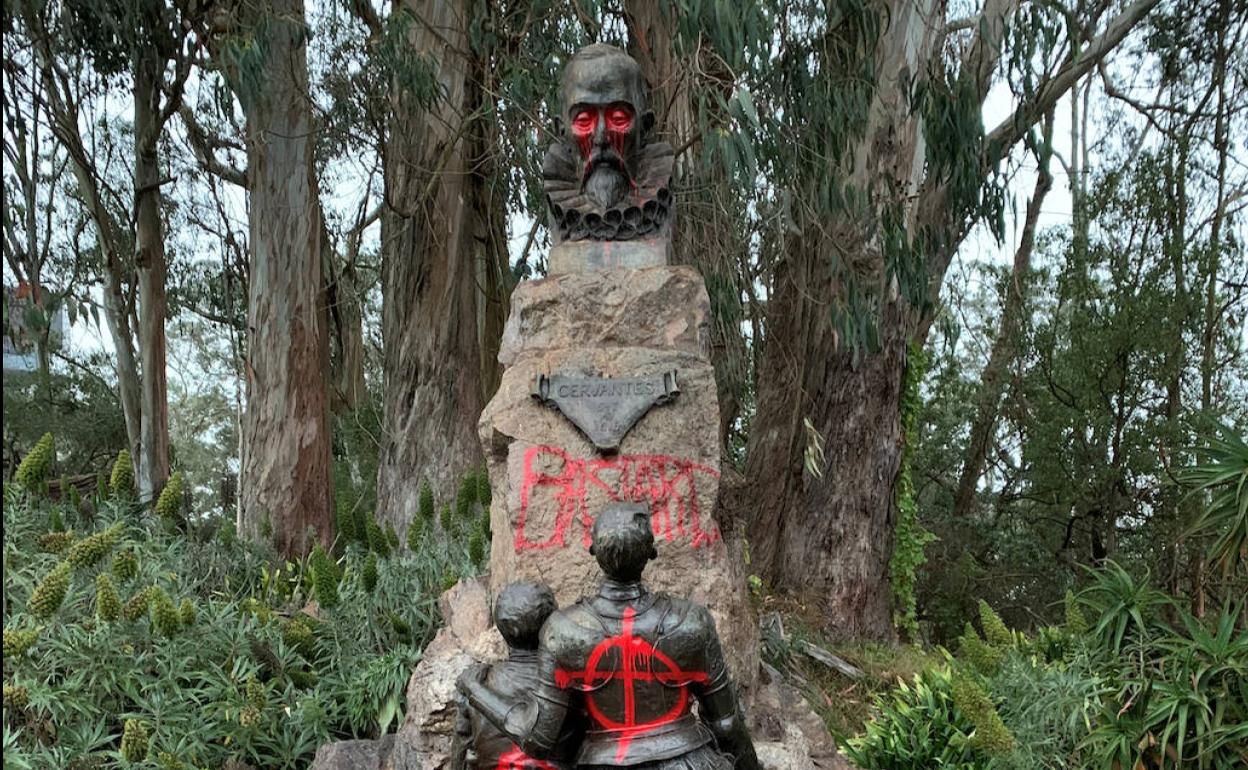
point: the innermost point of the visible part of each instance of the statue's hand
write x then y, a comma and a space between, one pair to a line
473, 675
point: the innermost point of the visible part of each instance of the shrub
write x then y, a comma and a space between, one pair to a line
35, 467
17, 642
88, 551
415, 530
121, 480
467, 496
338, 677
169, 504
485, 495
125, 565
918, 726
107, 602
48, 595
135, 741
995, 631
324, 577
426, 501
369, 574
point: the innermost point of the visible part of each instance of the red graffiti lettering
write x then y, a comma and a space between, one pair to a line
668, 484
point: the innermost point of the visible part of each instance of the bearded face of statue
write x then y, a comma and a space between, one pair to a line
603, 103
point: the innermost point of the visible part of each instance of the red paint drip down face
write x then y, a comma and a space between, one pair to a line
612, 122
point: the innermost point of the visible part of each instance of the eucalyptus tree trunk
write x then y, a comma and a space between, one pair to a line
286, 493
433, 391
708, 226
828, 536
152, 461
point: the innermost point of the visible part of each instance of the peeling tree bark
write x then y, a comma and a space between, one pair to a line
433, 394
152, 461
829, 539
285, 475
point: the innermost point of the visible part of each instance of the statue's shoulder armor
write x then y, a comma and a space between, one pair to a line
682, 615
571, 632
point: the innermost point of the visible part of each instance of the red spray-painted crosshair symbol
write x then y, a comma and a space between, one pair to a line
515, 759
638, 659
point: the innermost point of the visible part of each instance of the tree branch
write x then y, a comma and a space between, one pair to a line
999, 141
203, 146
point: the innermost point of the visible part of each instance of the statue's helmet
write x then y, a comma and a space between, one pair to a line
623, 541
520, 611
602, 106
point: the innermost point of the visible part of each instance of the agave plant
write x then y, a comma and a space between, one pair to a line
1223, 477
1124, 607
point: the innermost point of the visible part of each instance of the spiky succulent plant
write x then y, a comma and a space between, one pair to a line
47, 597
164, 615
121, 480
55, 542
107, 602
135, 741
169, 504
18, 641
187, 613
324, 577
89, 550
136, 606
125, 565
34, 468
369, 573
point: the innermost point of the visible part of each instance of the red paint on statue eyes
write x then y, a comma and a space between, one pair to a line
583, 125
619, 122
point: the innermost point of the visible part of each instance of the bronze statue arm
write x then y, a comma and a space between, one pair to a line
461, 742
533, 722
719, 708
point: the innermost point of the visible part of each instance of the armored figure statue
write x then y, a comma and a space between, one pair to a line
519, 612
605, 180
633, 662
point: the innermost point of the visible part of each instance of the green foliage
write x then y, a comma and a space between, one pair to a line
344, 525
445, 518
125, 565
164, 615
415, 531
485, 495
426, 501
121, 480
33, 471
369, 575
341, 676
1075, 623
378, 542
467, 497
990, 733
136, 606
18, 641
324, 577
46, 599
919, 726
911, 538
56, 542
995, 631
1126, 609
169, 504
107, 601
187, 613
135, 741
56, 521
476, 546
90, 550
392, 538
15, 697
1222, 476
983, 657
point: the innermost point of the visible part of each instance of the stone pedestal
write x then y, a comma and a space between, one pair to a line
548, 480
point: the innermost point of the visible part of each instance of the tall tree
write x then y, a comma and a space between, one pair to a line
881, 146
144, 39
431, 303
285, 483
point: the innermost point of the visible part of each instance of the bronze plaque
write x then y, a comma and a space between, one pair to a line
605, 408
